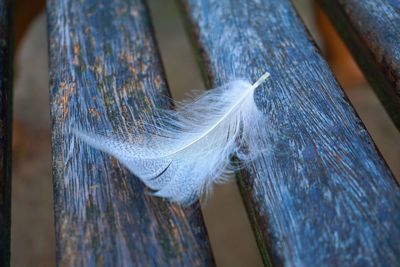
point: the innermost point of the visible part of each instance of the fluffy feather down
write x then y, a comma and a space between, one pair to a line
181, 153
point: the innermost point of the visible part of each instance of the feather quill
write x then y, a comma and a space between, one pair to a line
180, 153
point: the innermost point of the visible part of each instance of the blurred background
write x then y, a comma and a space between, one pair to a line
230, 233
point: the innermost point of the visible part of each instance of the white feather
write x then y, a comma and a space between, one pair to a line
181, 153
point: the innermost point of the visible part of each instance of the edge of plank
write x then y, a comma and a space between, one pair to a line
5, 129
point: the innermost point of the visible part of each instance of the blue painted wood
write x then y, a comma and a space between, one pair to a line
104, 69
321, 195
371, 30
5, 130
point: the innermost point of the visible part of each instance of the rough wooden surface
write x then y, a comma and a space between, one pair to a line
105, 68
371, 30
5, 132
321, 195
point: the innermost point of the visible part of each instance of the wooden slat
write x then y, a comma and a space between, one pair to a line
104, 66
371, 30
5, 131
322, 195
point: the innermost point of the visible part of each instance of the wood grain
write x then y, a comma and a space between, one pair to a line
371, 31
5, 130
105, 69
322, 195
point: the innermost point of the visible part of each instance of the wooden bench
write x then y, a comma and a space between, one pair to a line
104, 64
321, 196
317, 198
371, 31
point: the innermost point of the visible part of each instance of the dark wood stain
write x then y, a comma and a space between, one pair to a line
371, 30
322, 195
5, 130
105, 69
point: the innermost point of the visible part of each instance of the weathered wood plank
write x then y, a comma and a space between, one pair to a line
371, 31
5, 130
105, 68
322, 195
